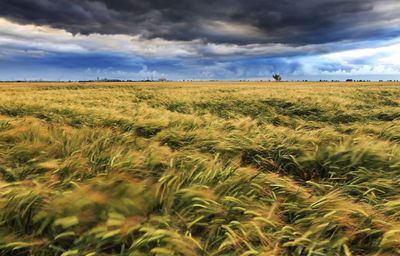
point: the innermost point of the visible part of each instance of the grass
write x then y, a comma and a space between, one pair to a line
200, 168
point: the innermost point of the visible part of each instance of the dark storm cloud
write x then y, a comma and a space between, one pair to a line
220, 21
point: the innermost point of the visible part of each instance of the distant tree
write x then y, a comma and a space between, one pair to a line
277, 77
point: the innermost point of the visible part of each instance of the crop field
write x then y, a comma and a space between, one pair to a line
200, 168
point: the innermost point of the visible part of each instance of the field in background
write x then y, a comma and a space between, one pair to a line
200, 168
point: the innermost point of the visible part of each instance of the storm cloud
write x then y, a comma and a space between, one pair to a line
223, 21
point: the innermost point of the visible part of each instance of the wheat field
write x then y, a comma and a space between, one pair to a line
200, 168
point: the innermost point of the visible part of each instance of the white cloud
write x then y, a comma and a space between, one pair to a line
365, 53
383, 60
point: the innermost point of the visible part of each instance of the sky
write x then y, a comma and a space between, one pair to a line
199, 39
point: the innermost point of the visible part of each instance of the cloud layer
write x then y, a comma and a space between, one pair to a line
221, 21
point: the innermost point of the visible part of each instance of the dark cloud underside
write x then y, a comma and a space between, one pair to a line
223, 21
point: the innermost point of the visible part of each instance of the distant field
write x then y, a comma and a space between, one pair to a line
200, 168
